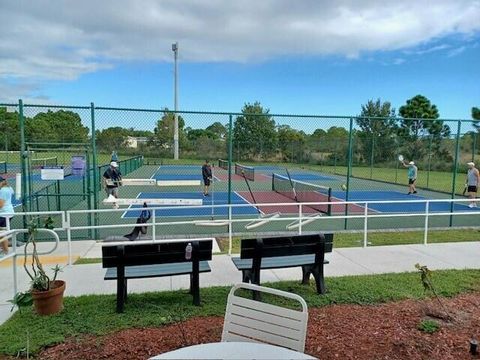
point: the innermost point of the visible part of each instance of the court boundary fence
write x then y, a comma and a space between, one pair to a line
300, 219
92, 111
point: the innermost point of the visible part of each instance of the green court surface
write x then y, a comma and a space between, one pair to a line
169, 221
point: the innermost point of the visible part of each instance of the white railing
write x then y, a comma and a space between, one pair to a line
229, 218
12, 234
301, 217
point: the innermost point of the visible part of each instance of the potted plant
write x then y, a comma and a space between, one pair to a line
45, 292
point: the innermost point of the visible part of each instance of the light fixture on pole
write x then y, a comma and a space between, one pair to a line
175, 90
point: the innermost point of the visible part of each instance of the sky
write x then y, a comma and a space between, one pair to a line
294, 57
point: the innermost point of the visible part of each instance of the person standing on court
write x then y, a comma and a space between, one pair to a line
6, 210
111, 180
207, 177
473, 181
114, 156
412, 176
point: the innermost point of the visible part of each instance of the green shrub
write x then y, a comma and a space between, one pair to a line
428, 326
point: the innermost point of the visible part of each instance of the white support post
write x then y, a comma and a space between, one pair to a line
14, 264
365, 226
69, 238
425, 234
154, 222
14, 260
300, 215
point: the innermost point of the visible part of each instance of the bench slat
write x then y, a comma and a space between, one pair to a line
148, 254
289, 245
276, 262
148, 271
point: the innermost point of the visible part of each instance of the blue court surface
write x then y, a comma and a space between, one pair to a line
171, 172
305, 176
269, 168
219, 198
405, 207
180, 177
180, 167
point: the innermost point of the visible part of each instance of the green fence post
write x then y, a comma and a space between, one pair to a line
48, 197
89, 199
230, 153
349, 167
58, 192
23, 157
429, 159
455, 168
335, 158
372, 156
94, 167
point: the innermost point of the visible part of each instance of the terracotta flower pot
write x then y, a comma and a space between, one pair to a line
51, 301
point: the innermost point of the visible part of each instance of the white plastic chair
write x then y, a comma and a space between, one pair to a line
255, 321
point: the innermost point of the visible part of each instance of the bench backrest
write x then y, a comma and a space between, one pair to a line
286, 246
149, 254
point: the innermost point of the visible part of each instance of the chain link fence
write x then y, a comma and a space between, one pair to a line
352, 156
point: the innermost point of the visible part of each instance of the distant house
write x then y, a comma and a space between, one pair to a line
134, 141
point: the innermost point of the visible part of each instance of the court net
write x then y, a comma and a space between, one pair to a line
47, 161
303, 192
3, 167
245, 171
223, 164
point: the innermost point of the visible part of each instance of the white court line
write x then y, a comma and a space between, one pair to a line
155, 173
130, 207
248, 202
360, 206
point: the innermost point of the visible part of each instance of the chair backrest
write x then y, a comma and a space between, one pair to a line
255, 321
285, 246
148, 254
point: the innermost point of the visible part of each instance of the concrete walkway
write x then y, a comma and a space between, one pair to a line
88, 279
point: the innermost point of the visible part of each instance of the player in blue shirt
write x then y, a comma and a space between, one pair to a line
412, 176
6, 209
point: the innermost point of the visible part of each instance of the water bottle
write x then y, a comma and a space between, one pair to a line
188, 252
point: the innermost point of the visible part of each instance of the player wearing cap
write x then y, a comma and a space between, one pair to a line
6, 210
473, 181
412, 176
111, 180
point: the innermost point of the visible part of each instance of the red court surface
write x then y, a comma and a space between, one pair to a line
271, 197
222, 175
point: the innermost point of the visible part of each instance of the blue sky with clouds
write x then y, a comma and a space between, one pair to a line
308, 57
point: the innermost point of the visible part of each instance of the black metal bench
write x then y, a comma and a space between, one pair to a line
137, 261
307, 251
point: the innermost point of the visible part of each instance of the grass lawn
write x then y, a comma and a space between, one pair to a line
95, 314
342, 240
435, 180
63, 157
84, 261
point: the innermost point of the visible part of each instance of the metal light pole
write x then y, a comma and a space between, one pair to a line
175, 131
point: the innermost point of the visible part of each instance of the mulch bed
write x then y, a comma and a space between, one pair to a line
387, 331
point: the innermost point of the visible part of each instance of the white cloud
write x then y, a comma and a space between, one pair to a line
10, 92
47, 39
398, 61
457, 51
428, 49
